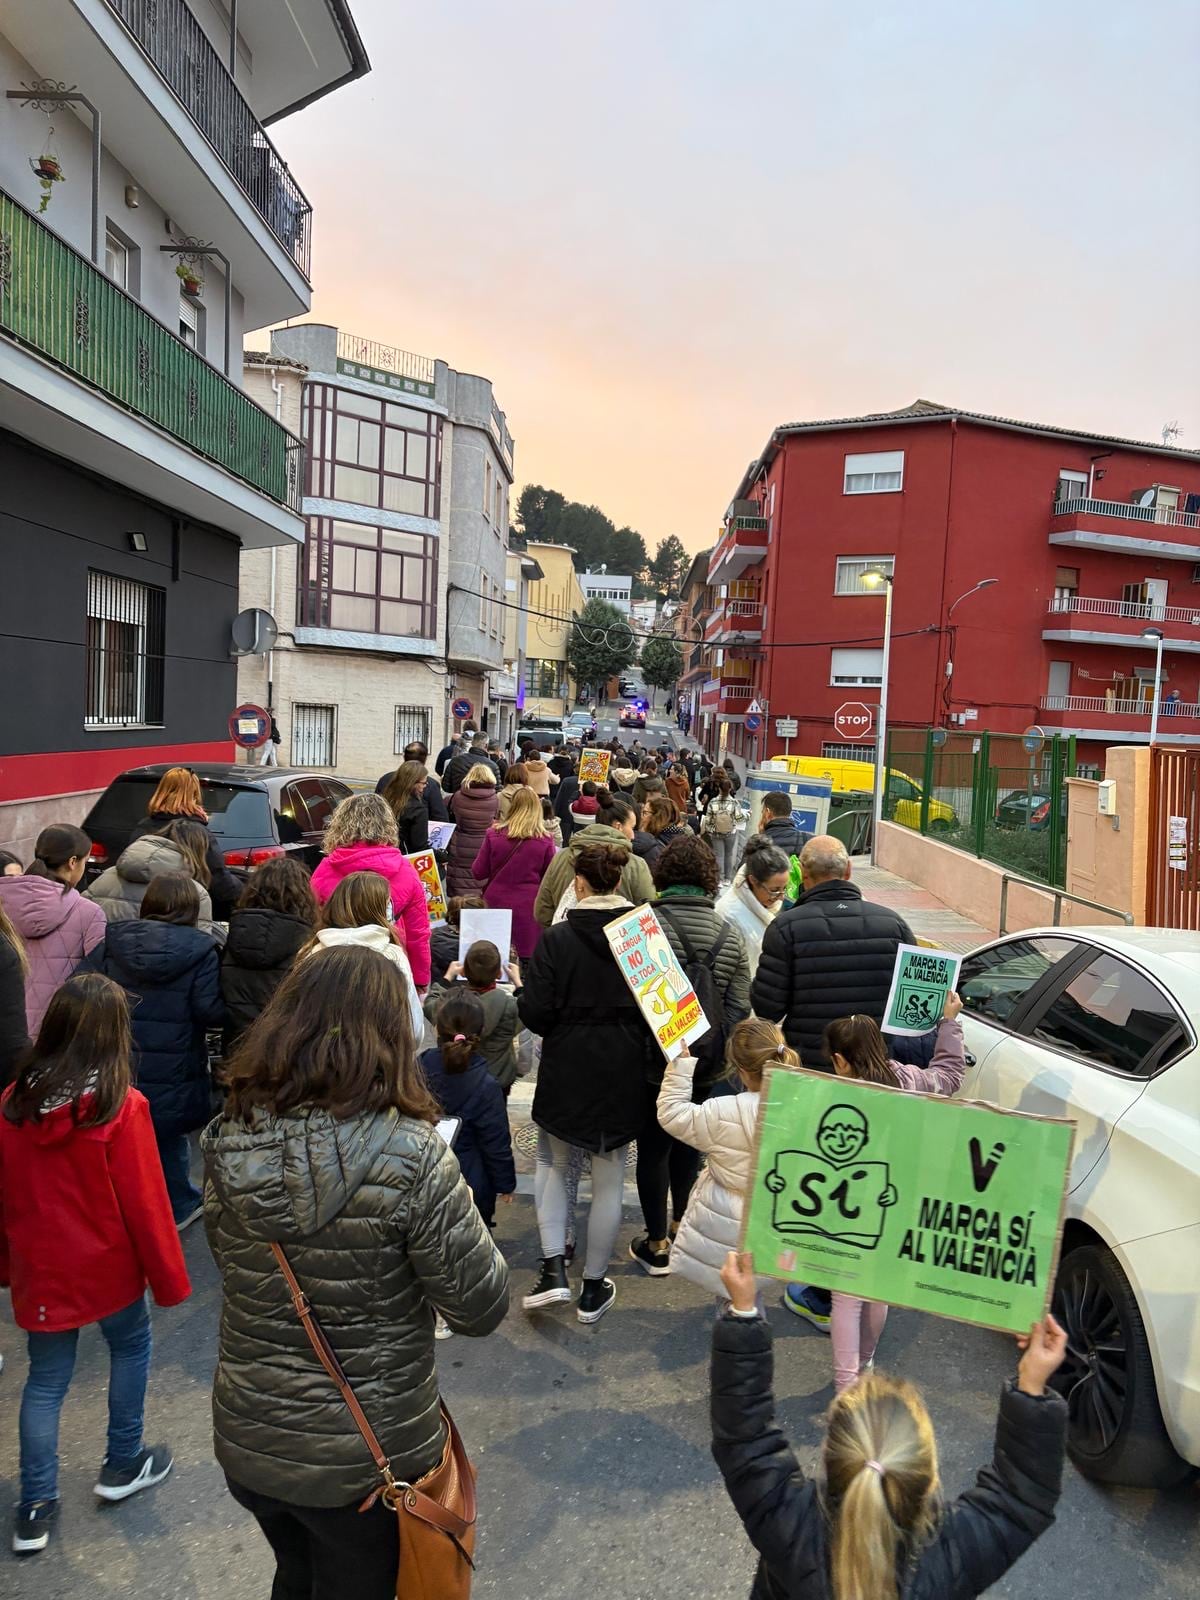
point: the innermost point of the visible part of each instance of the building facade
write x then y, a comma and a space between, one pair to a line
393, 610
1091, 540
146, 221
555, 599
609, 586
523, 572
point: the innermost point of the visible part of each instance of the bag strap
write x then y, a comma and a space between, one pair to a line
689, 949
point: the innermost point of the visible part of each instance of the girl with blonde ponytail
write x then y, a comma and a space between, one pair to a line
875, 1528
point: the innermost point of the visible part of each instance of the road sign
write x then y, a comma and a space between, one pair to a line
854, 720
1032, 741
753, 723
938, 738
250, 726
754, 709
461, 708
786, 727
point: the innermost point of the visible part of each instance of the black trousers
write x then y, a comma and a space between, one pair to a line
664, 1167
327, 1554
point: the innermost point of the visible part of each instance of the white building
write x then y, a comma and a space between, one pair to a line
394, 611
610, 586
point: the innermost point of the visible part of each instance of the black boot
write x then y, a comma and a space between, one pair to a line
598, 1294
551, 1288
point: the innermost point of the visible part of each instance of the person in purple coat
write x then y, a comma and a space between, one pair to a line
511, 864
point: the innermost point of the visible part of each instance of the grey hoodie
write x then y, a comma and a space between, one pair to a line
120, 889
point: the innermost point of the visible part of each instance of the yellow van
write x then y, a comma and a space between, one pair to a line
851, 779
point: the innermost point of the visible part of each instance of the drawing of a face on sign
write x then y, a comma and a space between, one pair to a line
830, 1191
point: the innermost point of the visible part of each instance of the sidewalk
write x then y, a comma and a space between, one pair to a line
927, 916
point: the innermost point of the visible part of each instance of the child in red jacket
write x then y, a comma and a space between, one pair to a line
85, 1224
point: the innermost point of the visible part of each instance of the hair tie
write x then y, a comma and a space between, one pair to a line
459, 1038
876, 1466
780, 1050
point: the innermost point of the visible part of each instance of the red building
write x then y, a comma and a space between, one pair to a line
1091, 541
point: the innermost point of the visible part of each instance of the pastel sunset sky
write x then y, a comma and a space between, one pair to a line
661, 228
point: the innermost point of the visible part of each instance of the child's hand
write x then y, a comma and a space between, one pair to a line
506, 1199
738, 1277
453, 971
514, 971
775, 1182
1043, 1350
952, 1007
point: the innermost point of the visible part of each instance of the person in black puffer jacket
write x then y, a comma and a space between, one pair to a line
873, 1526
172, 973
328, 1148
273, 921
831, 955
776, 825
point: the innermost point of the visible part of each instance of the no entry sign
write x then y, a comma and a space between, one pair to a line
854, 720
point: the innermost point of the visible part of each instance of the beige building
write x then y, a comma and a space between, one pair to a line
554, 599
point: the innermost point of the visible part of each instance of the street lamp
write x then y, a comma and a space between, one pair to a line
873, 578
984, 583
1157, 635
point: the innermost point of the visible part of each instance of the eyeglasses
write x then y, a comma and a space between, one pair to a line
765, 892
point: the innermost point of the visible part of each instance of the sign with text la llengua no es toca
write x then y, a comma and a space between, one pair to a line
663, 990
914, 1200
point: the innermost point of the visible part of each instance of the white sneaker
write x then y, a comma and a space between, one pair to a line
441, 1328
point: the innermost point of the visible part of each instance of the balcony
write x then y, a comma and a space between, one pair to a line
1122, 526
743, 544
1109, 716
89, 374
735, 619
1090, 620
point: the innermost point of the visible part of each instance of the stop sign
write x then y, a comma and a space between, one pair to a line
854, 720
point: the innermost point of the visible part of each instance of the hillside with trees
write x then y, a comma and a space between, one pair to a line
547, 515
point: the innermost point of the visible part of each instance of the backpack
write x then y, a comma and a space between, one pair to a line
709, 1049
721, 822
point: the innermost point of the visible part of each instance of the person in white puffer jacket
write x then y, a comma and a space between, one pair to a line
723, 1129
359, 911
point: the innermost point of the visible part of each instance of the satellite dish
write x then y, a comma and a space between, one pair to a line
1145, 497
254, 632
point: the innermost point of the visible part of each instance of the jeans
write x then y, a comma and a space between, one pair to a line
175, 1153
326, 1553
51, 1363
664, 1165
550, 1194
854, 1328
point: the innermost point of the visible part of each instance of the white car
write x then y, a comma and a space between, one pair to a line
1098, 1025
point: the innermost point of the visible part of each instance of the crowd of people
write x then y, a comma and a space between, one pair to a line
351, 1070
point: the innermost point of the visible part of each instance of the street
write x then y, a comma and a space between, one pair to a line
593, 1452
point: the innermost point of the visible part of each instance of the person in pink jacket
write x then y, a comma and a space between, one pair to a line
511, 864
53, 921
361, 836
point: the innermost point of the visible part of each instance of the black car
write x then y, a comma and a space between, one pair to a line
1025, 808
253, 812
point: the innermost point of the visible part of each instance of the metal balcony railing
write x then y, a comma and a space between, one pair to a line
1111, 705
749, 525
1127, 512
386, 358
1142, 610
186, 60
743, 608
737, 691
54, 301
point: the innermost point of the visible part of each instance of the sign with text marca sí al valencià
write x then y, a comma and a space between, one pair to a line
942, 1205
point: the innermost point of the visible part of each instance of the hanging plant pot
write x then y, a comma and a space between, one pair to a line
49, 167
192, 286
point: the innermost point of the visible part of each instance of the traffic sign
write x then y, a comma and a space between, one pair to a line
754, 709
1032, 740
938, 737
786, 727
854, 720
249, 726
753, 723
461, 708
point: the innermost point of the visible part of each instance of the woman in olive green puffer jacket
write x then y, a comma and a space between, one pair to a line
328, 1147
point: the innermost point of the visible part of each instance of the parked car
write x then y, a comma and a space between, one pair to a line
542, 730
1029, 808
1095, 1025
581, 725
253, 812
633, 715
855, 779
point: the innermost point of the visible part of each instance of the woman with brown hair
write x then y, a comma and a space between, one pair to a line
178, 795
515, 779
14, 1039
473, 808
511, 864
660, 825
56, 925
405, 794
328, 1147
359, 912
271, 924
182, 846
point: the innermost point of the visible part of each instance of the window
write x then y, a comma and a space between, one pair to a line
856, 666
191, 323
364, 579
116, 259
544, 679
484, 602
414, 725
848, 577
487, 489
371, 452
314, 735
995, 982
1066, 587
900, 787
847, 752
1071, 485
881, 472
123, 649
1111, 1014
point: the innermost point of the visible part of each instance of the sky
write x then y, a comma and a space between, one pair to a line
663, 228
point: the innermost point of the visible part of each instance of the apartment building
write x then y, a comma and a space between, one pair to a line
1093, 543
554, 600
695, 606
610, 586
393, 609
146, 222
522, 572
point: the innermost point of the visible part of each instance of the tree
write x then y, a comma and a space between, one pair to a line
669, 567
661, 661
601, 644
627, 553
539, 512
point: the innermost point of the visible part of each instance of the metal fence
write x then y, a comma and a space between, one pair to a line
186, 59
986, 794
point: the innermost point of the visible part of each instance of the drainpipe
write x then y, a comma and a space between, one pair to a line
277, 391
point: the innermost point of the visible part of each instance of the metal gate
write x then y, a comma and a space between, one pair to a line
1173, 868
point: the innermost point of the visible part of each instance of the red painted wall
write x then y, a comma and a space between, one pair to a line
37, 777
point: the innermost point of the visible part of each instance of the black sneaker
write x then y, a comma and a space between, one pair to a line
552, 1287
118, 1483
598, 1294
31, 1531
656, 1262
189, 1217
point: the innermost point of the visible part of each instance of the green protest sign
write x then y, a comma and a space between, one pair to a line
942, 1205
921, 980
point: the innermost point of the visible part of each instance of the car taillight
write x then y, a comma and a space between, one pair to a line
98, 854
255, 858
1042, 812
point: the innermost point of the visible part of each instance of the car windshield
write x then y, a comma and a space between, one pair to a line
233, 811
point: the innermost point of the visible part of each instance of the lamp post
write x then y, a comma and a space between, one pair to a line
1157, 635
872, 579
984, 583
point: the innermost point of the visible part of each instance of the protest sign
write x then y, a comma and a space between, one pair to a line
494, 926
440, 834
664, 992
942, 1205
921, 980
426, 867
593, 766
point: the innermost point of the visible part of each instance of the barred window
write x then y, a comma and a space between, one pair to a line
314, 735
414, 725
124, 643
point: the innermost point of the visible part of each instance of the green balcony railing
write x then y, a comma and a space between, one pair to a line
54, 301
